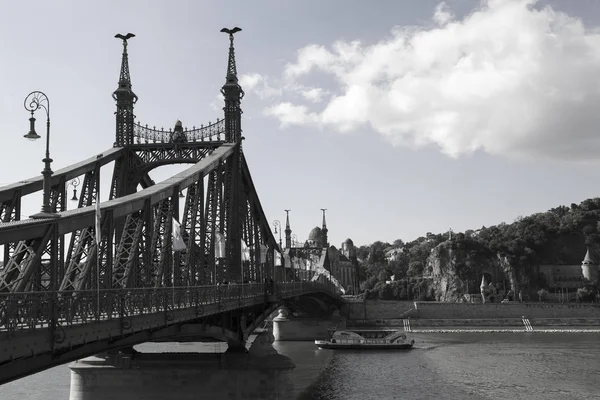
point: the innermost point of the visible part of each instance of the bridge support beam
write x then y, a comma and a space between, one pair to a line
286, 328
261, 373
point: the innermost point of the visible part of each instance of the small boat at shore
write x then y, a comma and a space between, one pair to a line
366, 340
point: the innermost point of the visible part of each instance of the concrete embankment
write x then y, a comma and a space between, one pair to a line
483, 325
433, 317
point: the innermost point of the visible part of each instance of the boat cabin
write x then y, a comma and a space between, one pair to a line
367, 337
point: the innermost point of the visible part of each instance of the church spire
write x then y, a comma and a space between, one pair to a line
324, 229
588, 260
288, 230
233, 94
125, 99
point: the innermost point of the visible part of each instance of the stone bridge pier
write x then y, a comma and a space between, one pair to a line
260, 373
288, 327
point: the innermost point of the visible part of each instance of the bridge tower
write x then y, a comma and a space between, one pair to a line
233, 94
288, 230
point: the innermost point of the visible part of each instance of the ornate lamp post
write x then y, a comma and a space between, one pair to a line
33, 102
74, 183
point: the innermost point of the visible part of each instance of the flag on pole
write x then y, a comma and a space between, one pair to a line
245, 251
178, 243
263, 253
98, 219
277, 258
219, 245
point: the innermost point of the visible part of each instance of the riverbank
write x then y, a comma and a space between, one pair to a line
500, 325
521, 330
386, 310
437, 317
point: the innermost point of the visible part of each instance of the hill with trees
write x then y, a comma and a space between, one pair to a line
557, 236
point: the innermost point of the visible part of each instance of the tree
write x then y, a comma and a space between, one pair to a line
377, 253
399, 243
584, 294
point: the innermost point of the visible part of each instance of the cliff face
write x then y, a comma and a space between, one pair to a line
455, 271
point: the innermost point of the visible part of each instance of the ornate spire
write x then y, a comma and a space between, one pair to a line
233, 94
125, 99
124, 77
324, 229
231, 67
288, 230
588, 260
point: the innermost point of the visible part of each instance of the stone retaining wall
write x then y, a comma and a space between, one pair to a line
377, 309
435, 310
485, 322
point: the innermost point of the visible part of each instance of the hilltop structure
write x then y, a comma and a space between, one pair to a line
316, 252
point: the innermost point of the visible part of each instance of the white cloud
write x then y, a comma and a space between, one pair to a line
442, 14
314, 94
290, 114
258, 84
250, 81
509, 78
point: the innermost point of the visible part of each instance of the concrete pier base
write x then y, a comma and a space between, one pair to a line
305, 328
261, 373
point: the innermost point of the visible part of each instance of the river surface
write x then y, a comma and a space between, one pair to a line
472, 366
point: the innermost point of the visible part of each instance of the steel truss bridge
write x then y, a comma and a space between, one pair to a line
71, 286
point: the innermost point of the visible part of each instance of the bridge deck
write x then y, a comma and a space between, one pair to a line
42, 329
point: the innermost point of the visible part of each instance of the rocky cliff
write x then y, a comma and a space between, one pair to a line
454, 271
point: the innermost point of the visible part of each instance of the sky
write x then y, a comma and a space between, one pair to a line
400, 117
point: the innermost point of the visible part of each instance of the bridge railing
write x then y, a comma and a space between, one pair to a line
37, 310
146, 134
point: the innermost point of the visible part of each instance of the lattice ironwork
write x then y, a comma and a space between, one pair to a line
150, 158
160, 247
116, 179
127, 251
82, 248
21, 266
232, 205
214, 131
193, 259
10, 211
45, 274
82, 253
214, 219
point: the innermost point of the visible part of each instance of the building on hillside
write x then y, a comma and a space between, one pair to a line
393, 253
571, 276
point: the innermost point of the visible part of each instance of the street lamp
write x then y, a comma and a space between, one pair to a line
74, 183
33, 102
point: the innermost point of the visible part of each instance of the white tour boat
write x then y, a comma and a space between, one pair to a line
367, 339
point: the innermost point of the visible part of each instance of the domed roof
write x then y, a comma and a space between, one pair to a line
348, 241
315, 234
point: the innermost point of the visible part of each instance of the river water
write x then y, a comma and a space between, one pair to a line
465, 366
